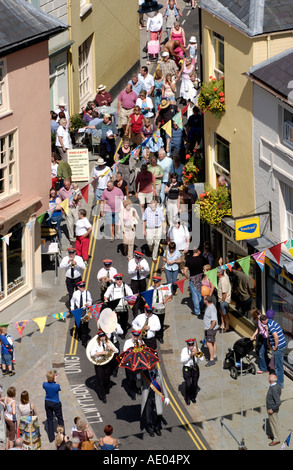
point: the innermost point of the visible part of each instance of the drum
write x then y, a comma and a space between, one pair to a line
159, 309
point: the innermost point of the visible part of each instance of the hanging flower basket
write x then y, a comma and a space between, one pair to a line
212, 97
190, 171
214, 204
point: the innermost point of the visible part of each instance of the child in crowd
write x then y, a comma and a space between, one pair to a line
83, 229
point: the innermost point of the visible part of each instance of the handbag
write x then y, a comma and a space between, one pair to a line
87, 444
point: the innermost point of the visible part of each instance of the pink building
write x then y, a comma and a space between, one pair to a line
25, 145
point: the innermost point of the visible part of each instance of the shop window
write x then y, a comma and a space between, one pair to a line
12, 262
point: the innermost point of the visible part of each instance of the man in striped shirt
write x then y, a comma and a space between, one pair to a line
278, 344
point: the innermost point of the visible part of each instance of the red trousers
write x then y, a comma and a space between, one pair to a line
82, 247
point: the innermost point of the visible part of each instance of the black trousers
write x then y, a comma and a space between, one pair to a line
137, 286
153, 421
52, 409
122, 318
191, 377
71, 285
103, 374
131, 381
83, 332
150, 342
160, 333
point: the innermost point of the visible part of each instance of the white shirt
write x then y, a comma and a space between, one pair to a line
115, 334
129, 343
103, 272
179, 236
61, 132
82, 226
148, 81
66, 116
115, 292
100, 348
186, 359
76, 298
78, 268
153, 323
155, 23
160, 294
102, 180
132, 265
54, 168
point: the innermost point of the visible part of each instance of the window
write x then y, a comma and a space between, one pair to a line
219, 61
12, 262
85, 6
221, 156
288, 201
4, 102
288, 128
8, 170
85, 67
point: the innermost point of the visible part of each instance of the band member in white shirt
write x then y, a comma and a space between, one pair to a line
138, 268
161, 295
149, 323
82, 299
114, 338
119, 290
106, 276
103, 371
74, 267
190, 371
133, 385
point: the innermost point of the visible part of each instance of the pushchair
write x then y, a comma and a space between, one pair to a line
234, 358
153, 50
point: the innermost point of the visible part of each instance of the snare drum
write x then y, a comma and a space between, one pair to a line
159, 309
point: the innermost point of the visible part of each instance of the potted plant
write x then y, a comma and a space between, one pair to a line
212, 97
76, 122
214, 204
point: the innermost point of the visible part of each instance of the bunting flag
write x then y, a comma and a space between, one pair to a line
31, 225
156, 135
184, 109
85, 193
41, 217
50, 213
212, 277
104, 174
276, 251
20, 326
96, 310
259, 258
180, 284
112, 304
41, 322
6, 238
148, 296
289, 246
245, 264
143, 144
125, 158
228, 266
286, 442
178, 120
65, 205
77, 315
131, 299
59, 316
168, 128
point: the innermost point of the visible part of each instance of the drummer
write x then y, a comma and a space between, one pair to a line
149, 324
106, 276
119, 290
99, 351
161, 295
131, 376
82, 299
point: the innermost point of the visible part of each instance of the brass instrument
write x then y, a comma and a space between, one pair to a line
199, 353
100, 360
144, 332
107, 321
87, 315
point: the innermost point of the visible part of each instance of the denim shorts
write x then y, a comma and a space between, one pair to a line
224, 307
112, 218
6, 359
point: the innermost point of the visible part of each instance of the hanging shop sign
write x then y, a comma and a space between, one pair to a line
247, 228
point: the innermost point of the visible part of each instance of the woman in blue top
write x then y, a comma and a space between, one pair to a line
57, 213
53, 405
172, 259
108, 442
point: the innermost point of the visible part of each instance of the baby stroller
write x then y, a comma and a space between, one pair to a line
153, 48
241, 350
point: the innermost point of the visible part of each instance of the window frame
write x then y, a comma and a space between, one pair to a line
289, 125
85, 50
9, 190
218, 168
217, 40
4, 90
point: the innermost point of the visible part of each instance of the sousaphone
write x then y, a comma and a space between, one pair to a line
108, 323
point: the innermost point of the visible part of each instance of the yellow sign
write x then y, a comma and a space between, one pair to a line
247, 228
78, 160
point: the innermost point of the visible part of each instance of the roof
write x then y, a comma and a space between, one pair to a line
253, 17
23, 25
275, 73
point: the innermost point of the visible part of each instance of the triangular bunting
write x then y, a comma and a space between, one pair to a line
276, 252
245, 264
6, 238
85, 193
41, 217
65, 205
95, 310
168, 127
259, 258
31, 225
148, 297
112, 304
178, 120
59, 316
77, 315
212, 277
289, 246
41, 322
183, 111
180, 284
156, 135
20, 326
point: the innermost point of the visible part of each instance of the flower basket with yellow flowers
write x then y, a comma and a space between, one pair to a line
212, 97
214, 204
190, 171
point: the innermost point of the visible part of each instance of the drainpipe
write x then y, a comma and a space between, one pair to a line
269, 47
69, 60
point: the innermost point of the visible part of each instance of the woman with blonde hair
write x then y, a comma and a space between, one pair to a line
60, 438
205, 280
169, 88
82, 431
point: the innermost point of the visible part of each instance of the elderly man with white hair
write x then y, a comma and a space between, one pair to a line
166, 163
153, 224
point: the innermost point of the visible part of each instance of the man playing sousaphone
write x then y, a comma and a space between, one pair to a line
190, 355
82, 299
103, 350
119, 290
161, 295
